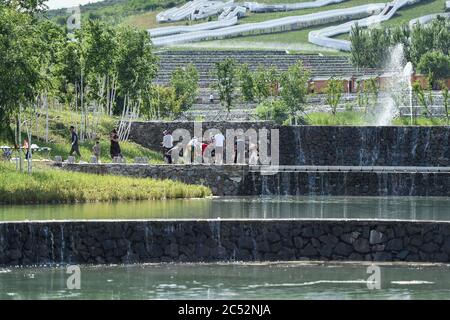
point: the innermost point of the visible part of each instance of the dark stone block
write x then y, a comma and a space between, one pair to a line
440, 257
108, 244
361, 245
299, 242
429, 247
402, 254
343, 249
272, 237
308, 251
416, 241
15, 254
263, 246
171, 250
394, 244
307, 232
202, 251
337, 230
356, 257
246, 242
329, 240
382, 256
376, 237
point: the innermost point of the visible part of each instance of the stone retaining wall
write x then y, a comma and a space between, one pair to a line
232, 180
37, 243
351, 183
150, 133
332, 145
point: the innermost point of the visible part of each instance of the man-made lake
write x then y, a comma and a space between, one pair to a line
285, 207
230, 281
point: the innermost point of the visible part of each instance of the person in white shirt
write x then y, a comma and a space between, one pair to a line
167, 142
211, 98
196, 150
219, 140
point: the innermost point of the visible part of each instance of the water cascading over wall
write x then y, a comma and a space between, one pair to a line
339, 160
365, 146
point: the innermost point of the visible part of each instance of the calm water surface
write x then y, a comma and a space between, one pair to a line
420, 208
229, 281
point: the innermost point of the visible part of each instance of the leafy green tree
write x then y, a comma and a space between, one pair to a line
266, 83
294, 88
185, 82
20, 65
273, 109
160, 103
425, 100
359, 44
436, 65
362, 98
246, 83
226, 75
29, 6
370, 47
99, 52
334, 91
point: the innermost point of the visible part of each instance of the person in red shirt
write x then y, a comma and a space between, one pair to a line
26, 147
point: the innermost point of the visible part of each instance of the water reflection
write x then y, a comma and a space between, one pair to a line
282, 207
229, 281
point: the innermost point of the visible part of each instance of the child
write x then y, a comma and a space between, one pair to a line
96, 149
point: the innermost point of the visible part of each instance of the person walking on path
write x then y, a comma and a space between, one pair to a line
167, 142
74, 141
115, 147
97, 149
219, 140
26, 147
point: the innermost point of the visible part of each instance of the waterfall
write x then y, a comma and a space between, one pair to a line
52, 243
301, 154
285, 183
63, 243
214, 226
2, 240
146, 232
311, 183
265, 191
413, 184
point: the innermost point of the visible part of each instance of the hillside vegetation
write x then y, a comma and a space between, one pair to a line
142, 14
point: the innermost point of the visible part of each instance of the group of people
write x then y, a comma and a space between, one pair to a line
115, 150
197, 147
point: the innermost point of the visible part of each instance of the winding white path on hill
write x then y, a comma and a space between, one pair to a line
263, 7
227, 26
271, 26
324, 37
428, 18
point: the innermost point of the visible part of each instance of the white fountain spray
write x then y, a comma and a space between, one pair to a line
397, 89
408, 72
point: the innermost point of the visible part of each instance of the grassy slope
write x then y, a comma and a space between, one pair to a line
59, 139
297, 40
57, 186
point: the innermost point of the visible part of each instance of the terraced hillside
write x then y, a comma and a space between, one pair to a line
320, 67
204, 61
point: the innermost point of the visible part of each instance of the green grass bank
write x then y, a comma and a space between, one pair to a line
48, 185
